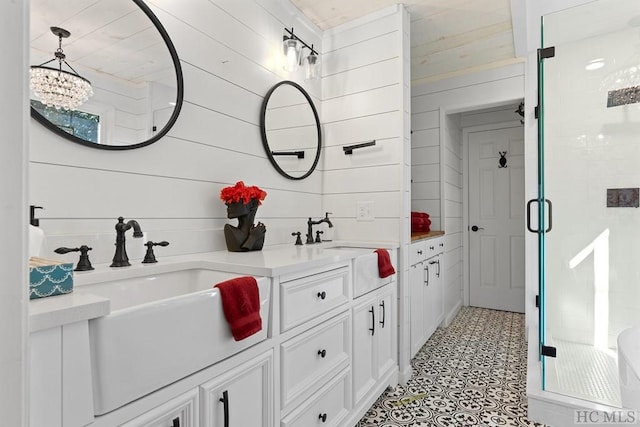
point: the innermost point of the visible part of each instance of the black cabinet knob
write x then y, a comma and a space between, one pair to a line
322, 295
323, 417
322, 353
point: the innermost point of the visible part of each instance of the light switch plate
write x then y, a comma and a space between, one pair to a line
364, 211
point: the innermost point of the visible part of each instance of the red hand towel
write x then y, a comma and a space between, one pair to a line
385, 268
419, 215
420, 221
241, 306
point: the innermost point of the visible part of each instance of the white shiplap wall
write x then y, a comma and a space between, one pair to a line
366, 96
425, 165
452, 205
362, 93
436, 109
231, 54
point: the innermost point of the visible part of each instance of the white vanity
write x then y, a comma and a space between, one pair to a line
128, 349
426, 288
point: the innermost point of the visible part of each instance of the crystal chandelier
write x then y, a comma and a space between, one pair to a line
56, 87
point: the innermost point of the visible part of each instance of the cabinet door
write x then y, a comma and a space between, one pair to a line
181, 411
385, 327
437, 291
242, 397
364, 361
45, 409
433, 302
417, 285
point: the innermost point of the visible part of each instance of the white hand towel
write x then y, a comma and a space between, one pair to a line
36, 241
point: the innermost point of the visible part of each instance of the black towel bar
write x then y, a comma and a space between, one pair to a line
299, 154
348, 149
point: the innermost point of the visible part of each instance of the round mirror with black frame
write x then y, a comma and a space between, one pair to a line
130, 61
290, 130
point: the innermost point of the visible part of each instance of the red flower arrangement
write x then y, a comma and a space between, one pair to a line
240, 192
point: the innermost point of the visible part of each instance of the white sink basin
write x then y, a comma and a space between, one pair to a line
162, 327
366, 277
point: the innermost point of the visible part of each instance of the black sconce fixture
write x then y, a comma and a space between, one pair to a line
292, 46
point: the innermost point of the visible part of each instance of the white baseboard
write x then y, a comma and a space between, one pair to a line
358, 411
405, 376
448, 319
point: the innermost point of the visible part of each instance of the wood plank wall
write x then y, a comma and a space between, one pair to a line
231, 54
439, 111
362, 92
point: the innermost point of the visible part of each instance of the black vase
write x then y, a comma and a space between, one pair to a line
246, 236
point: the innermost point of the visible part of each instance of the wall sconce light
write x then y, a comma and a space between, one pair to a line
56, 87
293, 49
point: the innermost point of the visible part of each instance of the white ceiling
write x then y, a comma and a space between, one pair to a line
448, 37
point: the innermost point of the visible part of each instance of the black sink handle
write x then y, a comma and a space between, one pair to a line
83, 263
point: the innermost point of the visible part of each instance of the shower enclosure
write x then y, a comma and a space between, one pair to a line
589, 174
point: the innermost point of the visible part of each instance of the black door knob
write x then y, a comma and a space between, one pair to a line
476, 228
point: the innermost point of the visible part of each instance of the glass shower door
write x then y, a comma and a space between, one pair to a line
590, 147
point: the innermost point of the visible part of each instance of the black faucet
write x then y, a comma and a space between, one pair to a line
120, 259
311, 223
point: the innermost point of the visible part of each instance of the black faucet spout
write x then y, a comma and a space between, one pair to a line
121, 259
311, 223
137, 231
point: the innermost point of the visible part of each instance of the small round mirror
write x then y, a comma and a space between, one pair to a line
290, 130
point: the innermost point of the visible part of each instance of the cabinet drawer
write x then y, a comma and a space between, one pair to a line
434, 246
307, 297
311, 357
328, 407
417, 252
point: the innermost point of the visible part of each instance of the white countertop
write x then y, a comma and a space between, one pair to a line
60, 310
271, 261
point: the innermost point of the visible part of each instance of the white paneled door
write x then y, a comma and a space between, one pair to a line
496, 219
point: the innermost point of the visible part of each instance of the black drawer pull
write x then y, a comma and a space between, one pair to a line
322, 295
384, 314
322, 353
175, 422
426, 276
323, 417
225, 400
431, 248
373, 321
420, 252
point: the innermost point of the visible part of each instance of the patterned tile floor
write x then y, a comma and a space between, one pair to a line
472, 373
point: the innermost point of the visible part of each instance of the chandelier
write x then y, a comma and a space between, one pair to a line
56, 87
